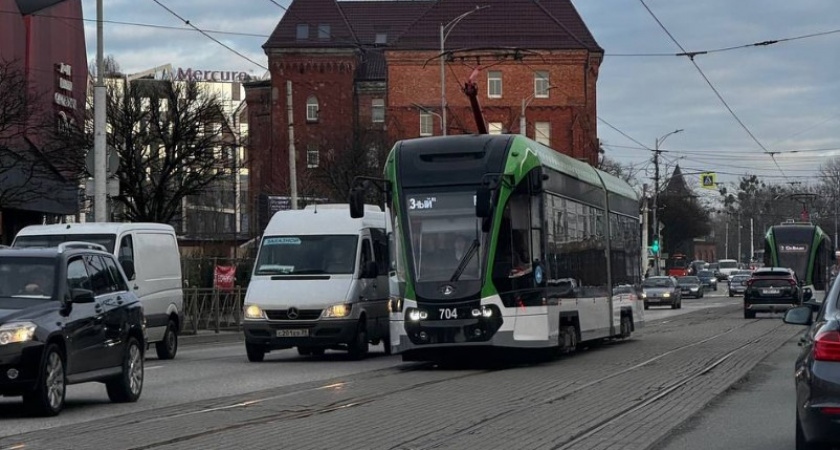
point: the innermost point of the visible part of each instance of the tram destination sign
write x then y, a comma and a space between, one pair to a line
436, 202
793, 248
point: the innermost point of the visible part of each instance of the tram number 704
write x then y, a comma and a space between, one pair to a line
448, 313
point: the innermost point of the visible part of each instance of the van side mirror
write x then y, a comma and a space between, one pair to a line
370, 270
483, 205
357, 202
128, 268
81, 296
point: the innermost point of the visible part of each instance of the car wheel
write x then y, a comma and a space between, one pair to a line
168, 347
129, 385
358, 348
256, 352
318, 351
802, 443
626, 327
304, 351
748, 314
47, 399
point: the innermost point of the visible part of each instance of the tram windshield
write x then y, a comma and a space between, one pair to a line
442, 228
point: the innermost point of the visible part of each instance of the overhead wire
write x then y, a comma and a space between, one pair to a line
188, 23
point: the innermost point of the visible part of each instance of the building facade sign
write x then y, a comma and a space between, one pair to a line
190, 74
63, 97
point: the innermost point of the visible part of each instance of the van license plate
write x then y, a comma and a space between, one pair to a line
293, 333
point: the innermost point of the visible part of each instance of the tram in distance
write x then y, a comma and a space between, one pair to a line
499, 241
802, 247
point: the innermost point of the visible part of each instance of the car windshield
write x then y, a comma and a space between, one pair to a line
52, 240
442, 227
688, 280
307, 255
657, 282
705, 274
27, 278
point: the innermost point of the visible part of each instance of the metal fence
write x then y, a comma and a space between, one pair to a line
198, 271
212, 309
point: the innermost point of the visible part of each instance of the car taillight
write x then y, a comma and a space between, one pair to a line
749, 283
792, 283
827, 346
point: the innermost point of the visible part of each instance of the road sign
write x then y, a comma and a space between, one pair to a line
113, 161
708, 180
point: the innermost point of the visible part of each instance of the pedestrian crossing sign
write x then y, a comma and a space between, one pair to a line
708, 180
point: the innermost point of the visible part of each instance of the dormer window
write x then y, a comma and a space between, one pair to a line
381, 39
302, 31
323, 31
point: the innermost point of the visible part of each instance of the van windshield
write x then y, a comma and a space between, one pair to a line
307, 255
52, 240
728, 265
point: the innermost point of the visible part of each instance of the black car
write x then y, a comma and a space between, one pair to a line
67, 316
817, 374
771, 289
690, 287
708, 279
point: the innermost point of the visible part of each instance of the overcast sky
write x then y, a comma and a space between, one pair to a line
787, 94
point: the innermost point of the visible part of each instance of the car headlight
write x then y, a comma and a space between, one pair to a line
11, 333
695, 289
644, 294
254, 312
666, 295
338, 311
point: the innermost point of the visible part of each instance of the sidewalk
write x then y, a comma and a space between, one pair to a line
211, 337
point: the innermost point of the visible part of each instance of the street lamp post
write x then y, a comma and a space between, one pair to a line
523, 124
656, 152
444, 33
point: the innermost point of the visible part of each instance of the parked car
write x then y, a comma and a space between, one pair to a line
149, 256
661, 290
816, 374
690, 287
771, 289
708, 279
67, 316
737, 285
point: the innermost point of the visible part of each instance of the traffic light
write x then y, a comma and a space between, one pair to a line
655, 246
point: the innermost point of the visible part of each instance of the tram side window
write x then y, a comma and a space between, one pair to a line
513, 256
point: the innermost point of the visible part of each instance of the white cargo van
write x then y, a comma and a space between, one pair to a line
728, 267
320, 282
148, 253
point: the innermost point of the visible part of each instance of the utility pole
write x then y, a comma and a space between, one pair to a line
726, 240
292, 155
752, 241
738, 257
100, 182
645, 244
656, 236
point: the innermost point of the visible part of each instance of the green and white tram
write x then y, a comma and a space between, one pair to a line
803, 247
499, 241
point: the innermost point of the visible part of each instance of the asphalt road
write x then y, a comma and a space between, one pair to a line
197, 373
757, 413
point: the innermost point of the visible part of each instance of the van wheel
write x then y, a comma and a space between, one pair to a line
47, 399
358, 348
386, 344
749, 314
256, 352
318, 351
128, 386
168, 347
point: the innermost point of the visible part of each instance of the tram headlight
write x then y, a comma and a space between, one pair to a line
414, 315
486, 312
476, 312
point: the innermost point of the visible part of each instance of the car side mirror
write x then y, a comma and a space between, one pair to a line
128, 268
369, 270
81, 296
801, 315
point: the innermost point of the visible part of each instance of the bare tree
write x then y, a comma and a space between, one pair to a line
626, 172
363, 156
36, 149
169, 139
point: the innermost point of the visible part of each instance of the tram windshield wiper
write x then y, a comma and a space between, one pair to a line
462, 265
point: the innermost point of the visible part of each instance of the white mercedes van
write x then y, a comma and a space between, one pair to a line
320, 282
148, 253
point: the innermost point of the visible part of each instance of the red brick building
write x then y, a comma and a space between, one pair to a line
367, 73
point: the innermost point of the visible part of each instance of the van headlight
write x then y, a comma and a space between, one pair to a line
338, 311
666, 295
254, 312
15, 332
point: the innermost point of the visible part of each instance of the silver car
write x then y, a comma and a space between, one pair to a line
661, 291
738, 284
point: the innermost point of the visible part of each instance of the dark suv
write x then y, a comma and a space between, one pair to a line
67, 316
771, 289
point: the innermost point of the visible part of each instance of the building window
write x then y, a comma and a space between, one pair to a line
426, 124
312, 109
302, 31
323, 31
381, 39
494, 84
494, 127
542, 133
377, 110
541, 84
312, 156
